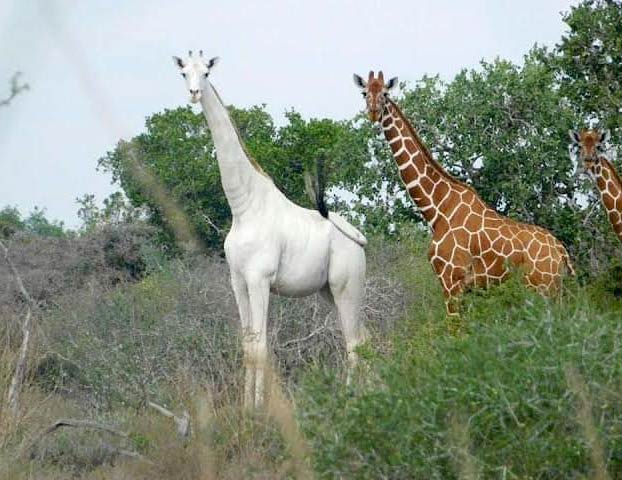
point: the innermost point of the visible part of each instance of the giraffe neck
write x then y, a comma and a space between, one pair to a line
431, 188
241, 177
610, 187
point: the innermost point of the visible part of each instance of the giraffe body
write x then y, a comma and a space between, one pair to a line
591, 145
472, 244
275, 245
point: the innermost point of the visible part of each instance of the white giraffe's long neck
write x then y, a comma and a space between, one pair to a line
241, 181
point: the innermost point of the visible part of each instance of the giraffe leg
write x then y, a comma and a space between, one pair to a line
346, 282
460, 279
255, 342
240, 292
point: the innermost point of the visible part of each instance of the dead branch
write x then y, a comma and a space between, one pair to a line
212, 224
19, 374
16, 89
70, 422
126, 453
89, 424
182, 423
296, 341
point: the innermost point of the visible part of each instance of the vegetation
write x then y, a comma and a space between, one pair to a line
127, 325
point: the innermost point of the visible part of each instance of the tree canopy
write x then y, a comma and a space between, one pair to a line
501, 127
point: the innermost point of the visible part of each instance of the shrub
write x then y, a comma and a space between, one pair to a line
501, 388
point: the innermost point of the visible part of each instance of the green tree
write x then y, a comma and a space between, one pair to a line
589, 61
588, 64
116, 211
177, 147
38, 224
503, 129
10, 222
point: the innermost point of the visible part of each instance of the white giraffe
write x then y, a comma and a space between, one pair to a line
275, 245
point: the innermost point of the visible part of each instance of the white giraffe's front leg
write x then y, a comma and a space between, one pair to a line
256, 341
240, 292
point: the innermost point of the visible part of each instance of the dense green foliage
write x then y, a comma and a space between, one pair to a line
36, 223
589, 61
177, 147
500, 127
498, 398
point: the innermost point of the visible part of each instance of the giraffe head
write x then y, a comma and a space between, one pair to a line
195, 70
590, 145
375, 92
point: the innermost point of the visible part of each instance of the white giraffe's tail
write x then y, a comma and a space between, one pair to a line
347, 229
315, 190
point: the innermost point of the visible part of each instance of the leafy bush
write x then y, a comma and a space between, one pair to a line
496, 398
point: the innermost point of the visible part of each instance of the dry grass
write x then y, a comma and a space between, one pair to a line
94, 332
586, 423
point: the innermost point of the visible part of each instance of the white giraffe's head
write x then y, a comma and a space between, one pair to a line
195, 70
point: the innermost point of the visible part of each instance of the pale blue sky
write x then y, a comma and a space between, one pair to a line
98, 68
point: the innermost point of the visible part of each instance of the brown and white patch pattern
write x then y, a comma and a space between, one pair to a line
591, 146
472, 245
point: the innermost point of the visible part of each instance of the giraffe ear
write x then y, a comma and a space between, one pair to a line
178, 61
604, 137
358, 81
391, 83
212, 62
574, 136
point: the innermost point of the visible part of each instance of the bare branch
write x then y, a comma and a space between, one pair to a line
70, 422
212, 224
126, 453
17, 87
16, 275
89, 424
19, 374
183, 422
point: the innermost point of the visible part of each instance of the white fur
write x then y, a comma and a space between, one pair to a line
276, 246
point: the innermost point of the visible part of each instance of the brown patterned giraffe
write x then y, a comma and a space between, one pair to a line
591, 146
471, 243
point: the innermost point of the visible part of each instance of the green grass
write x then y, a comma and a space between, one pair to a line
492, 399
520, 387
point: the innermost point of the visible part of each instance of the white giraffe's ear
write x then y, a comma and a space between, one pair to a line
574, 136
604, 137
358, 81
178, 61
212, 62
391, 83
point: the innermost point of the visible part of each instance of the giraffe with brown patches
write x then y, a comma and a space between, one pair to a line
472, 244
591, 147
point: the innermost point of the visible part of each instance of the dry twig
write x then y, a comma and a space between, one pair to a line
17, 381
182, 423
16, 88
89, 424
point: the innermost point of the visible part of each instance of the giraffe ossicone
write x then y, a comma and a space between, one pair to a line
472, 244
275, 245
591, 146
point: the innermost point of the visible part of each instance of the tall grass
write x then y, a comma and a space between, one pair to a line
493, 401
524, 388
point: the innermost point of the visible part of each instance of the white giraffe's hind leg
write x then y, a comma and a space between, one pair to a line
347, 286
